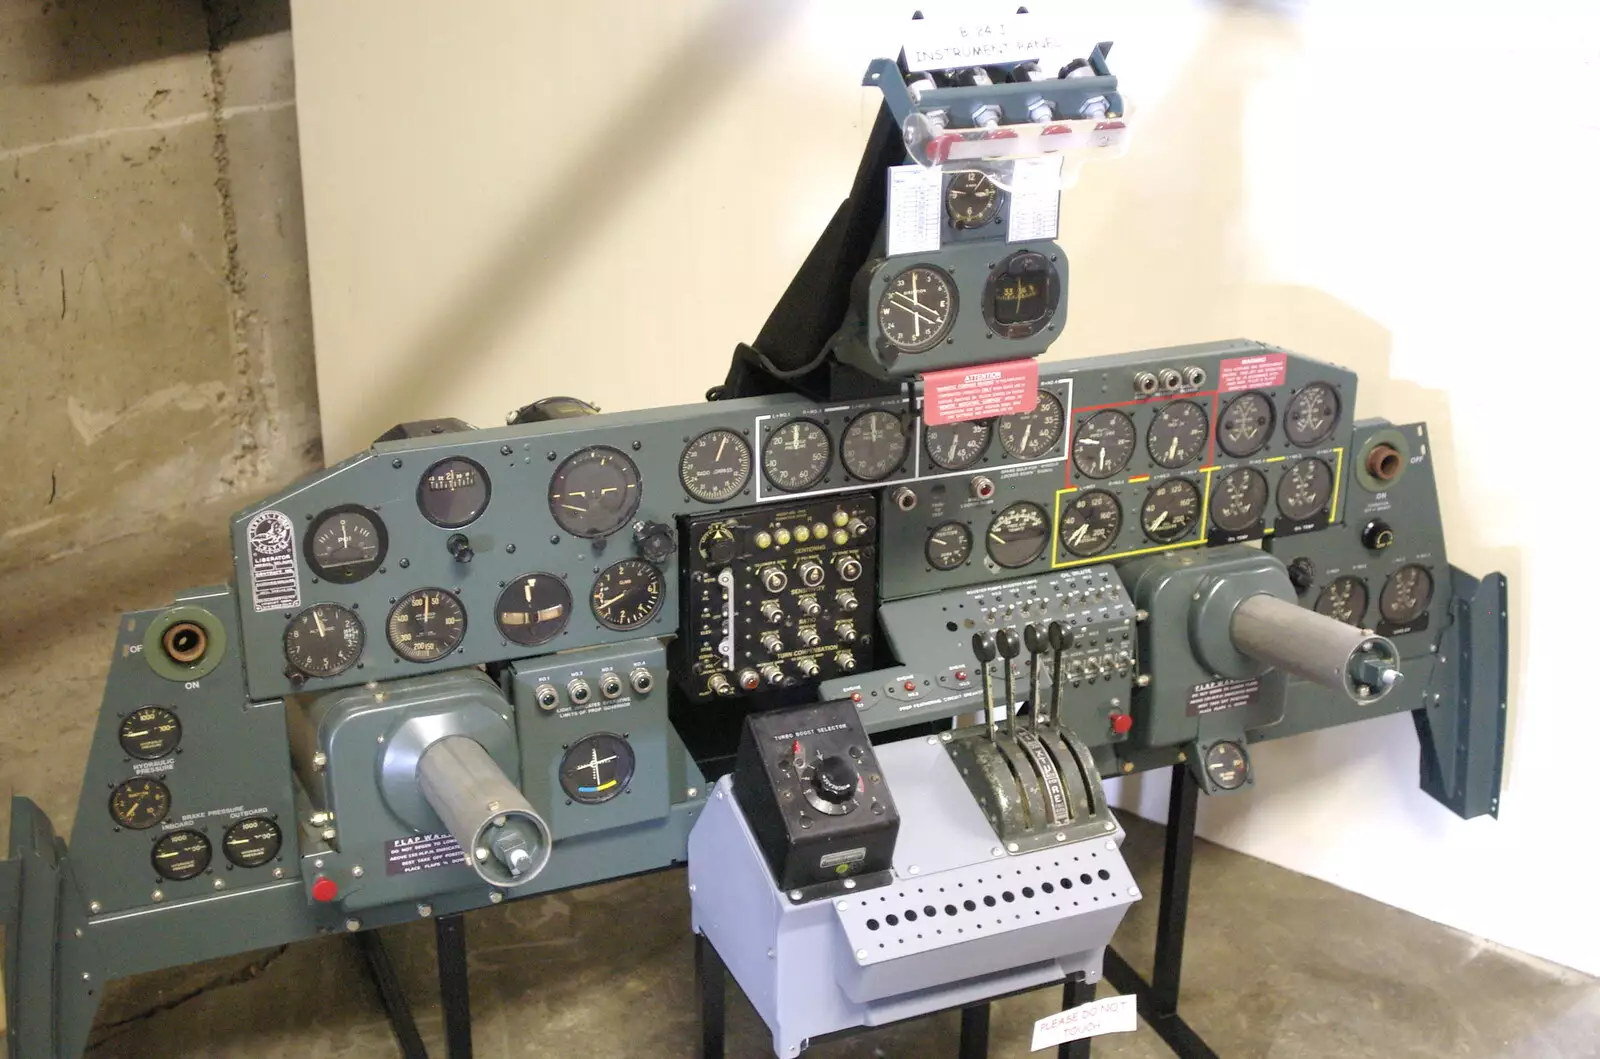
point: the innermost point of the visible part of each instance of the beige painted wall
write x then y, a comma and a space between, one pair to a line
509, 200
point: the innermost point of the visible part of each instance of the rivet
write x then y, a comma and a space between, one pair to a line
495, 897
944, 737
1061, 836
424, 910
86, 976
357, 872
156, 895
849, 884
277, 873
843, 906
352, 924
1110, 826
218, 884
317, 863
1111, 845
997, 852
1133, 891
94, 908
795, 895
693, 792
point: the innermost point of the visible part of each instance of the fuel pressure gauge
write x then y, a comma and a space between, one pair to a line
948, 546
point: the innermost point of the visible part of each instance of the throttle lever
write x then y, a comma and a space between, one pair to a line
1010, 646
1033, 636
1060, 638
984, 651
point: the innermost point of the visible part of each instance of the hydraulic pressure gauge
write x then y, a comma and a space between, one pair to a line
1021, 296
149, 733
426, 625
453, 492
627, 594
181, 855
971, 199
594, 492
916, 308
324, 640
533, 609
1104, 444
1312, 414
1305, 490
1170, 511
1406, 595
797, 455
957, 446
346, 544
1227, 765
715, 466
874, 445
1344, 599
1090, 522
1240, 500
1029, 435
597, 768
1178, 435
140, 803
252, 842
948, 546
1018, 535
1245, 424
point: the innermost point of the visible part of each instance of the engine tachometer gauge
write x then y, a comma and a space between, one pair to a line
1170, 511
874, 445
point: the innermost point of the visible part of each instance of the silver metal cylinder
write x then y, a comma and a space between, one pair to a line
506, 841
1317, 648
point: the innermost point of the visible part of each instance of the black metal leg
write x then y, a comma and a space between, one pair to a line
450, 938
1074, 994
381, 968
1173, 915
711, 980
975, 1032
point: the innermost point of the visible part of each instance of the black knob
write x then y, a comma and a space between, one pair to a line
1061, 637
655, 541
1302, 573
835, 779
721, 547
458, 547
1377, 535
1009, 644
983, 647
1036, 639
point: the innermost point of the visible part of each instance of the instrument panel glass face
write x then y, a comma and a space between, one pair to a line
181, 855
1021, 296
715, 466
324, 640
1104, 444
1090, 522
1406, 594
533, 609
948, 546
140, 803
1227, 765
1245, 425
957, 446
1018, 534
797, 455
426, 625
1029, 435
1170, 511
917, 308
1306, 488
597, 768
453, 492
627, 594
1178, 434
874, 445
594, 492
252, 842
1312, 414
1344, 599
971, 199
1240, 500
149, 733
346, 544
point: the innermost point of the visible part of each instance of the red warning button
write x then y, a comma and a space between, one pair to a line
324, 889
1121, 723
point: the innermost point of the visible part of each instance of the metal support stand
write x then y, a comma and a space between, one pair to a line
711, 985
381, 970
1158, 998
450, 933
974, 1032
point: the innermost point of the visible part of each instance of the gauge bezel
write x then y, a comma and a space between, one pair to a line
656, 574
966, 554
343, 575
1423, 605
987, 426
128, 718
625, 777
1266, 434
744, 479
361, 645
422, 492
168, 839
1144, 511
516, 584
157, 782
1060, 431
1261, 512
1283, 482
844, 445
1110, 541
811, 482
1161, 413
1133, 443
945, 325
1333, 423
623, 516
1357, 583
1032, 326
388, 626
1044, 540
277, 842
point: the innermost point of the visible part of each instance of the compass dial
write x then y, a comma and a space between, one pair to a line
1104, 444
797, 455
948, 546
346, 544
1170, 511
1178, 434
1018, 534
715, 466
426, 625
1245, 424
533, 609
627, 594
1029, 435
1305, 490
324, 640
1406, 595
971, 199
453, 492
874, 445
1240, 500
1345, 599
1312, 415
916, 308
957, 446
1021, 296
597, 768
594, 492
1090, 522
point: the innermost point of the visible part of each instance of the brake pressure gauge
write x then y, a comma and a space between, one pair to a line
181, 855
252, 842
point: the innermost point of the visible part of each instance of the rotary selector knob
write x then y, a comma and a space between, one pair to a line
849, 567
833, 786
1377, 535
812, 574
1302, 574
772, 642
656, 541
808, 668
775, 580
772, 610
720, 546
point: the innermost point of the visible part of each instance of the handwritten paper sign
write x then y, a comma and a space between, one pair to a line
1114, 1014
942, 44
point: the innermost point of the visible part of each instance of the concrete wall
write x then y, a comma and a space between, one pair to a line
155, 320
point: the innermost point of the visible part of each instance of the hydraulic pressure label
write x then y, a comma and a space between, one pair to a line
274, 578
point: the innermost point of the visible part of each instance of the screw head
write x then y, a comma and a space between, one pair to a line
1133, 891
795, 895
499, 821
329, 834
495, 897
481, 853
1061, 836
843, 906
997, 852
913, 869
86, 976
352, 924
1110, 826
277, 873
218, 884
691, 887
1012, 846
861, 955
424, 909
94, 908
156, 895
944, 737
1111, 845
357, 872
319, 761
849, 884
693, 792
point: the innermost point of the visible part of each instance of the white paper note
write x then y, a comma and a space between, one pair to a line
1114, 1014
1035, 199
914, 209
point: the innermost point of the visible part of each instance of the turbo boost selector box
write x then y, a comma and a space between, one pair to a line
814, 796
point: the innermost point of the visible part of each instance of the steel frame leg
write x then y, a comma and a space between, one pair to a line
1075, 993
381, 970
450, 940
711, 985
974, 1032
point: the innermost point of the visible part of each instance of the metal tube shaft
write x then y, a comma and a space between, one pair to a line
505, 840
1314, 647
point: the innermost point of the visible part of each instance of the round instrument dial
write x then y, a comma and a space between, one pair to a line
1018, 534
140, 803
426, 625
181, 855
346, 544
533, 609
948, 546
1344, 599
453, 492
594, 491
916, 308
1312, 414
252, 842
715, 466
627, 594
797, 455
1406, 595
957, 446
1090, 522
1227, 766
1178, 434
1029, 435
1245, 424
971, 199
1305, 490
597, 768
1170, 511
149, 733
1021, 296
324, 640
1104, 444
874, 445
1240, 500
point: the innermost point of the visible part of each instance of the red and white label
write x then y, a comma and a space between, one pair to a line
1260, 372
961, 394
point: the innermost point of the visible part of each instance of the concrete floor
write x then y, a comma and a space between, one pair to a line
1279, 965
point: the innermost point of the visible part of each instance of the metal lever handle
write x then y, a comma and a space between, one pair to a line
983, 650
1010, 646
1060, 638
1037, 642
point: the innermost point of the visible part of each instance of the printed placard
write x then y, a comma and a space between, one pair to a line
1114, 1014
1260, 372
1214, 696
957, 395
915, 209
1035, 199
274, 577
942, 43
402, 856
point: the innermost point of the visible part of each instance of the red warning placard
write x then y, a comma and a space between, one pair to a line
1260, 372
960, 394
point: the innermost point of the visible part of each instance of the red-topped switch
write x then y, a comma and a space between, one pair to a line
324, 889
1121, 723
910, 685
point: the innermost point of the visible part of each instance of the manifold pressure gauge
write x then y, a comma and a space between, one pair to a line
324, 640
533, 609
140, 803
627, 594
1171, 510
1090, 522
1104, 444
715, 466
874, 445
917, 308
181, 855
346, 544
797, 455
971, 199
426, 625
1179, 433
